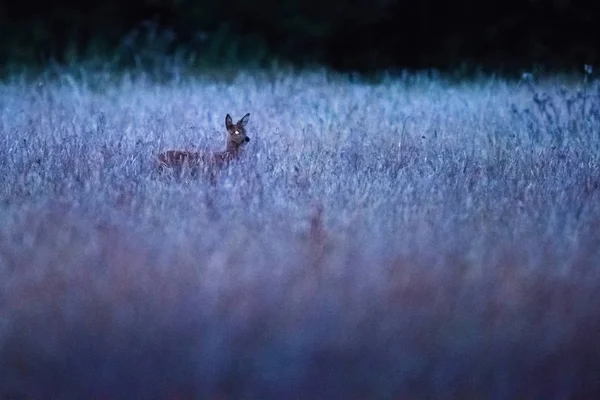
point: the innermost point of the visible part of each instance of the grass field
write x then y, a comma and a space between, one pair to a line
407, 239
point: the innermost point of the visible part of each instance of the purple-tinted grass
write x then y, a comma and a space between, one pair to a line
410, 239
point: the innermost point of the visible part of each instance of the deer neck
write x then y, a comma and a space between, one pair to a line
232, 148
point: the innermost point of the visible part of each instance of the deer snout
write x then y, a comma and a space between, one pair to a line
247, 139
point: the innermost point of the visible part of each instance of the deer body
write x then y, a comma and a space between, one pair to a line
236, 139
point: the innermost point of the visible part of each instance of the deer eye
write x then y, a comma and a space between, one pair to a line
237, 132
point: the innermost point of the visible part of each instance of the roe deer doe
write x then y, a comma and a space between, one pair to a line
236, 139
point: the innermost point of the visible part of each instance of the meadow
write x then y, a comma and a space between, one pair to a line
414, 237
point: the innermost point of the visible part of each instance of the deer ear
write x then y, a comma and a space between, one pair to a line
244, 120
228, 121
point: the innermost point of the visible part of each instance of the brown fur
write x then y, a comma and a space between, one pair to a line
236, 139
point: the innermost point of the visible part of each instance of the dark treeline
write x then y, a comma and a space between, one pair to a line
346, 34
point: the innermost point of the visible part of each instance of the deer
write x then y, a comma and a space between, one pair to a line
177, 160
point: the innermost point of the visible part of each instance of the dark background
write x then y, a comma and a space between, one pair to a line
357, 35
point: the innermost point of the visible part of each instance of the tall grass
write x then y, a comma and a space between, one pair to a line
413, 238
